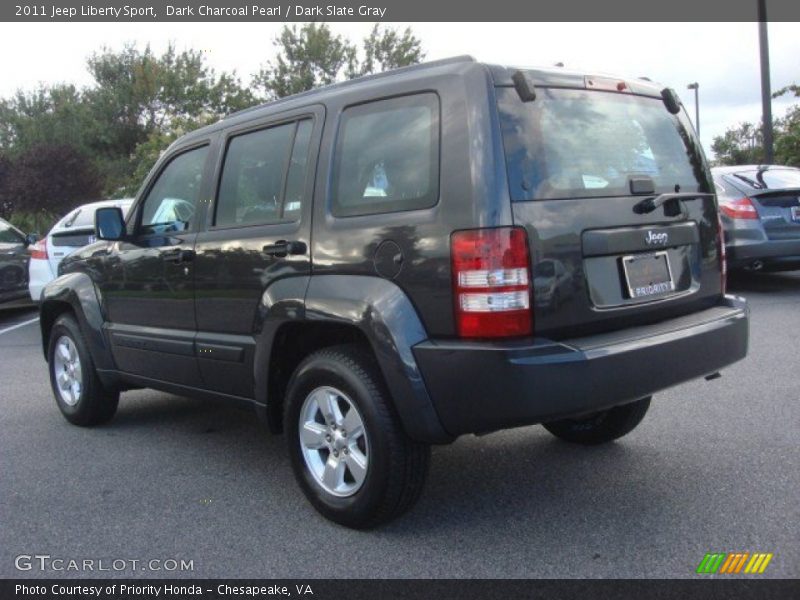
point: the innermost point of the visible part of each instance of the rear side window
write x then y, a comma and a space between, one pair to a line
263, 177
387, 156
725, 190
582, 143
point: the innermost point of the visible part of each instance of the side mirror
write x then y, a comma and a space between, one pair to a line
31, 239
109, 223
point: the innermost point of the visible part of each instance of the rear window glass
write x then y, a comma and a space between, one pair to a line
582, 143
74, 239
387, 156
770, 179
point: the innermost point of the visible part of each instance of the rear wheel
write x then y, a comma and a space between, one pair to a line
348, 450
603, 426
79, 394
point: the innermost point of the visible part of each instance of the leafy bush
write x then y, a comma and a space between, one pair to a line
34, 222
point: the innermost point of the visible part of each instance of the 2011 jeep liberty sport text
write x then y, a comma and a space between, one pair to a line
389, 263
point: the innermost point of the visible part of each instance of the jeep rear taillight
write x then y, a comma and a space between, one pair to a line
491, 282
39, 249
740, 208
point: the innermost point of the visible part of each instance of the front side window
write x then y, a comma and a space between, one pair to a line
170, 205
387, 156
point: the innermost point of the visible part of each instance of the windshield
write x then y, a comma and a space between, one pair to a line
577, 143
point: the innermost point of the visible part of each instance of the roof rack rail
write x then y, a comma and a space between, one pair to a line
417, 67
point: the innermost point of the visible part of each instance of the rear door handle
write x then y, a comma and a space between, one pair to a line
178, 255
283, 248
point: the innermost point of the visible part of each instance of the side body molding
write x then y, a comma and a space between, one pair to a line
388, 319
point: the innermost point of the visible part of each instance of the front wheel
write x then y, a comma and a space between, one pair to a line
79, 394
348, 450
603, 426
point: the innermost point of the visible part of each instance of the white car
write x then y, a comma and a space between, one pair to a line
74, 231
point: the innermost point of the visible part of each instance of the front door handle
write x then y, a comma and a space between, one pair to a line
178, 255
283, 248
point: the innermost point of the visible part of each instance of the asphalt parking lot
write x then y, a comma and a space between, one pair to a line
713, 467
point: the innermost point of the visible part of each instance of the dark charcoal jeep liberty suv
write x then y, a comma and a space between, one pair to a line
392, 262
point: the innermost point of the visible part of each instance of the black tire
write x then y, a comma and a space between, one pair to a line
603, 426
94, 404
396, 466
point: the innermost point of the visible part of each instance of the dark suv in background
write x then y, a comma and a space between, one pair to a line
361, 265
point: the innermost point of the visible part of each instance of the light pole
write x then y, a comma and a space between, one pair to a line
696, 87
766, 93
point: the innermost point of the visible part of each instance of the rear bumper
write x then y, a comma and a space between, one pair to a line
39, 275
485, 386
775, 252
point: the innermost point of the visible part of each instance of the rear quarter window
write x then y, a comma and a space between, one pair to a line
387, 156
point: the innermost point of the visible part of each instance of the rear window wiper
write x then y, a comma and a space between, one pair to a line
73, 218
648, 205
750, 182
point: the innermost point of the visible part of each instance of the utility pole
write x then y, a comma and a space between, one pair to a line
766, 92
696, 87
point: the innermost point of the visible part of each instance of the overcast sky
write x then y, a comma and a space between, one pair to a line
722, 57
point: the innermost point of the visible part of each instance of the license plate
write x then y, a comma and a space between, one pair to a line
648, 275
796, 213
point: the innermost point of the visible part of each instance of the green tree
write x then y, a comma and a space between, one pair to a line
49, 178
139, 95
740, 145
313, 56
787, 143
386, 49
6, 201
48, 115
743, 144
139, 102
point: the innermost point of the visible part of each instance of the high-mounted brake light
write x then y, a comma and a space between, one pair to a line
491, 282
39, 249
741, 208
606, 84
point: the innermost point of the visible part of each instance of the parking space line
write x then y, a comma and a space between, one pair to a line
18, 325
